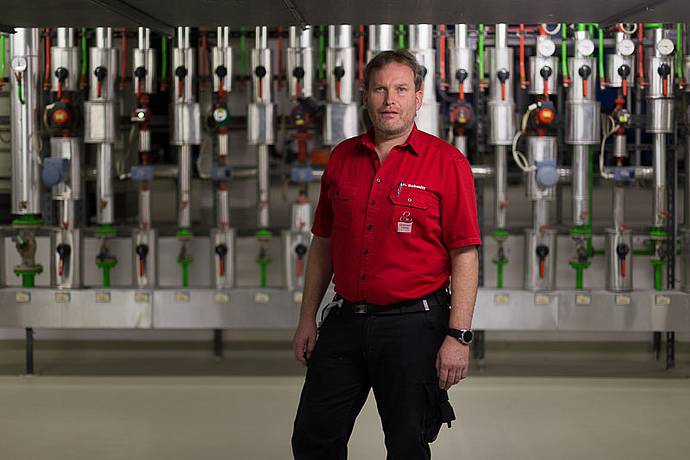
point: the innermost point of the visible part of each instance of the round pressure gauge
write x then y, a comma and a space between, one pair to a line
625, 47
546, 47
585, 47
18, 64
220, 114
665, 47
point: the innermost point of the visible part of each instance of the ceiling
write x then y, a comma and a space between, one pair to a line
163, 15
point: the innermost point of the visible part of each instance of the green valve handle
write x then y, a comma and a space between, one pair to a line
263, 265
28, 276
184, 264
106, 263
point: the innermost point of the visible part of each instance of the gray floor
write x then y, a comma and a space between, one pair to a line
174, 401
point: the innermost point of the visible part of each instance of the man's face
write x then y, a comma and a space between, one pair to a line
391, 99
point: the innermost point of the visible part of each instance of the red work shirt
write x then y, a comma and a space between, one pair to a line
393, 224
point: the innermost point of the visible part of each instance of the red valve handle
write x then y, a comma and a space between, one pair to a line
541, 269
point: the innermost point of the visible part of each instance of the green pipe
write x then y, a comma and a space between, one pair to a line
499, 282
20, 91
243, 52
2, 55
481, 52
564, 51
658, 277
28, 280
83, 52
679, 53
579, 278
654, 25
581, 27
185, 275
401, 36
322, 53
106, 277
164, 57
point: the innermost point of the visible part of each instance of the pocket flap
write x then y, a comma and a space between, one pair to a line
411, 197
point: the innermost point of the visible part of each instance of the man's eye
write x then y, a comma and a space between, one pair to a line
402, 90
379, 89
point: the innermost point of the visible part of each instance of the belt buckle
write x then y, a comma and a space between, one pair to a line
360, 308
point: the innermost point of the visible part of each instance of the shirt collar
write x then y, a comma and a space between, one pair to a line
413, 143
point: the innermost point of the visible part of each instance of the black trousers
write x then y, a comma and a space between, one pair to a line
395, 355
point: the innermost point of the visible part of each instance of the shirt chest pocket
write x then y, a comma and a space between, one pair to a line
342, 198
412, 209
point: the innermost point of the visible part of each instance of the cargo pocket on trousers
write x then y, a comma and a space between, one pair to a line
438, 411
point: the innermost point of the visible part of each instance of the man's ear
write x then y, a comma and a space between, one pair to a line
419, 97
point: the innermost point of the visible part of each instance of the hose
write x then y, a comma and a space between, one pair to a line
564, 54
518, 156
480, 53
401, 36
600, 57
2, 58
243, 52
322, 53
679, 54
608, 131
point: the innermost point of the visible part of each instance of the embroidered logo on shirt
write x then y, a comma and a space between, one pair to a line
405, 223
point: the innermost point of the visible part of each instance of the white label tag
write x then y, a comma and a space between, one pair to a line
262, 297
141, 297
501, 299
541, 299
404, 227
182, 296
662, 300
583, 299
103, 297
222, 297
22, 297
62, 297
622, 299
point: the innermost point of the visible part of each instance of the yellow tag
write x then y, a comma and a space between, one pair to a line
142, 297
262, 297
583, 299
103, 297
22, 297
181, 296
62, 297
501, 299
622, 299
662, 300
222, 297
541, 299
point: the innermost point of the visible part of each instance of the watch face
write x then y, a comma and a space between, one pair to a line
467, 336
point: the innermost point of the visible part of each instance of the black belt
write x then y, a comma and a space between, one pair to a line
440, 298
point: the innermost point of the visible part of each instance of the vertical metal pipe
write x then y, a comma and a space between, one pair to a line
104, 184
659, 164
501, 185
540, 214
263, 182
460, 36
618, 205
184, 216
501, 35
580, 184
26, 190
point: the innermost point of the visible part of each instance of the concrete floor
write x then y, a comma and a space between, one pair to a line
153, 401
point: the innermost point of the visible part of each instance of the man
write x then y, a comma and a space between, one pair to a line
396, 217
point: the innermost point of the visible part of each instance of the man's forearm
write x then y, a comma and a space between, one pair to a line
317, 278
463, 282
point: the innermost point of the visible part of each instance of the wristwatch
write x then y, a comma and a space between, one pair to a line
464, 336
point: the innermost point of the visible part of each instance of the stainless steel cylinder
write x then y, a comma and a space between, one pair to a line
540, 148
65, 56
105, 214
620, 146
341, 123
223, 279
184, 184
380, 39
66, 273
501, 62
184, 58
67, 216
541, 215
300, 60
144, 140
619, 260
262, 87
340, 36
102, 58
501, 122
427, 118
144, 208
221, 56
582, 122
460, 143
426, 57
618, 205
580, 185
501, 35
655, 88
146, 278
261, 37
536, 82
421, 36
614, 76
460, 58
659, 165
26, 139
263, 184
579, 91
301, 217
540, 271
223, 145
461, 36
67, 148
501, 204
341, 90
223, 209
144, 57
659, 117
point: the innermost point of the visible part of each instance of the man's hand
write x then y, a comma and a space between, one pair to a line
452, 362
304, 340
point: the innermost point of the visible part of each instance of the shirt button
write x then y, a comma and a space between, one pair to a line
372, 202
366, 251
370, 227
378, 180
364, 277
